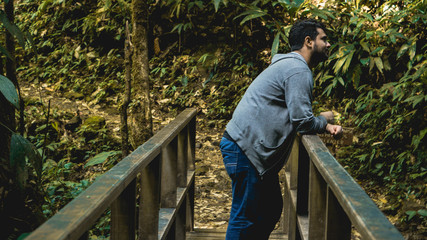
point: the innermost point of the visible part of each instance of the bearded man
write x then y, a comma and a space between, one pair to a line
259, 137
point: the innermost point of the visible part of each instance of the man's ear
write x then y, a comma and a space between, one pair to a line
308, 42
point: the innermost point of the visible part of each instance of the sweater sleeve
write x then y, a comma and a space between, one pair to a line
298, 95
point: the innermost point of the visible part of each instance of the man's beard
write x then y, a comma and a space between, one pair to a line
318, 56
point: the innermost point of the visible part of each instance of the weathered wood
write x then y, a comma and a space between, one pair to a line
302, 189
192, 145
123, 214
75, 219
149, 201
293, 165
182, 160
361, 210
219, 234
169, 175
338, 226
189, 201
79, 215
317, 204
167, 215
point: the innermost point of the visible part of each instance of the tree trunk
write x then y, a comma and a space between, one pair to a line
141, 126
11, 64
124, 130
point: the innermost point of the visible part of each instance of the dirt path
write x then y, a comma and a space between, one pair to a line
213, 194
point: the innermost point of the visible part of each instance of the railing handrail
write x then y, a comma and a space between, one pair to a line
325, 201
77, 217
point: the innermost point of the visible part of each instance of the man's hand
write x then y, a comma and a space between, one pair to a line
329, 116
334, 130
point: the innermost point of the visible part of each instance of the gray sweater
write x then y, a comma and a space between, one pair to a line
274, 108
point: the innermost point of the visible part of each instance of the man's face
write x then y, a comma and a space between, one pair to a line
320, 47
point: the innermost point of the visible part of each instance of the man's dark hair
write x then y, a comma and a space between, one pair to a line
302, 29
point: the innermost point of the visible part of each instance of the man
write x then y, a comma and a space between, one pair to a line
259, 137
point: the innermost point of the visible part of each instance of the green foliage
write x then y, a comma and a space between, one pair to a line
376, 74
101, 158
8, 90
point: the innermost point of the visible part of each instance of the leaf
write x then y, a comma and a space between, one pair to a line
379, 64
251, 14
378, 50
341, 80
355, 75
5, 52
12, 28
422, 212
216, 4
415, 99
275, 46
20, 150
364, 61
348, 59
365, 46
8, 90
402, 50
410, 214
100, 158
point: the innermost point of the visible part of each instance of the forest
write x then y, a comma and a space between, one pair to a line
84, 82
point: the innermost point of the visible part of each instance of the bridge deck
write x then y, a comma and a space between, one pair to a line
217, 234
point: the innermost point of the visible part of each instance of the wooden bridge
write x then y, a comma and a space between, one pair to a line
151, 195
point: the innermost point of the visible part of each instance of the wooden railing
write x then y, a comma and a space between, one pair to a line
160, 174
322, 201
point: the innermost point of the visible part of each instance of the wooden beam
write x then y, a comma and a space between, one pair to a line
361, 210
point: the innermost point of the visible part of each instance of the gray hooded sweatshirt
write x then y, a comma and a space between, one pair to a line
274, 108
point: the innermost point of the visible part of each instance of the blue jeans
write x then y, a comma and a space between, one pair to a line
257, 202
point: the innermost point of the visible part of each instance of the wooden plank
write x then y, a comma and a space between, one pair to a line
302, 189
317, 204
303, 226
123, 214
362, 211
80, 214
182, 159
168, 175
293, 165
149, 201
167, 215
338, 226
170, 131
192, 145
219, 234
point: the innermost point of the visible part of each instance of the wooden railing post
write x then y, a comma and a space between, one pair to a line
182, 160
291, 196
191, 166
149, 201
317, 204
123, 214
338, 225
168, 175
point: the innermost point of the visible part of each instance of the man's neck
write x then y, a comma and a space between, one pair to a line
305, 54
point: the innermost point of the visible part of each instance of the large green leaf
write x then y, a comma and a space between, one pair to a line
12, 28
8, 90
21, 150
100, 158
251, 14
275, 46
